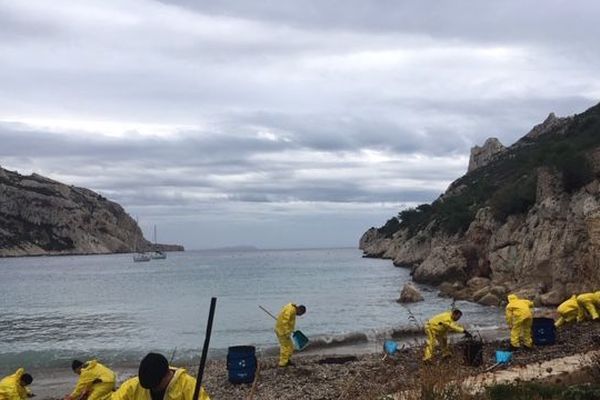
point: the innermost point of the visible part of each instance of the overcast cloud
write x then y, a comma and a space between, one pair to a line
280, 123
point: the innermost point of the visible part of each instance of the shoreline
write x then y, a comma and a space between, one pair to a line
316, 375
7, 256
53, 383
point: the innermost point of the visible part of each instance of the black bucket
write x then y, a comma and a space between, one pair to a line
241, 364
543, 331
473, 352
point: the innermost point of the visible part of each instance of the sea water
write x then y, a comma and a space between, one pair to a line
54, 309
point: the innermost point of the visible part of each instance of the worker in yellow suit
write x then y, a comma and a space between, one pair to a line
437, 329
587, 302
568, 311
284, 327
14, 387
519, 318
96, 382
156, 380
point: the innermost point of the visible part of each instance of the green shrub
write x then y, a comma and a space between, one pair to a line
576, 173
581, 392
534, 391
455, 214
415, 219
514, 198
522, 391
391, 226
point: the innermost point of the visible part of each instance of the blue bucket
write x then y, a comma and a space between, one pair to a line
300, 340
241, 364
503, 357
390, 347
543, 331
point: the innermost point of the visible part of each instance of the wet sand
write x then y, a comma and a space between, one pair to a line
366, 377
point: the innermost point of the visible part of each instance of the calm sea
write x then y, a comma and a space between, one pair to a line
53, 309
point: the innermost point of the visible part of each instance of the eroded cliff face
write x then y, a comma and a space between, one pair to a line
546, 254
40, 216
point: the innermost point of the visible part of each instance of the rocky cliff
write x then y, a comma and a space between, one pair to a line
40, 216
525, 220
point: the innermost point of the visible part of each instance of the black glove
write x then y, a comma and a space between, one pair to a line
468, 334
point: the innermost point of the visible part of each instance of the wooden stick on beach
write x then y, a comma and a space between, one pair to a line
255, 383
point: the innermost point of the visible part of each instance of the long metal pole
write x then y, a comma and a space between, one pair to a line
211, 314
267, 311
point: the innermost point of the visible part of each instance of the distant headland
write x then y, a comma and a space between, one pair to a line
40, 216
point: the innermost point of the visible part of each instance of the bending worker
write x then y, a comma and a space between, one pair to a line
157, 381
519, 319
568, 311
14, 387
286, 322
587, 302
96, 382
437, 329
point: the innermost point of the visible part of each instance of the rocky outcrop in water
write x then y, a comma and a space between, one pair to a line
527, 221
410, 294
40, 216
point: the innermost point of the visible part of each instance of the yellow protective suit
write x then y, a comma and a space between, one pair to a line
437, 329
95, 379
568, 311
181, 388
11, 388
286, 322
519, 319
587, 301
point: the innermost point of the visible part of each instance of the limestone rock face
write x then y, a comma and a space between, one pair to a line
410, 294
41, 216
374, 243
444, 263
481, 156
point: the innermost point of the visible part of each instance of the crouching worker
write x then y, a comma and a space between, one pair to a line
284, 327
587, 302
568, 311
437, 329
14, 387
96, 382
157, 381
519, 319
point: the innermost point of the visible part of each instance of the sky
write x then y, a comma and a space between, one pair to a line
280, 124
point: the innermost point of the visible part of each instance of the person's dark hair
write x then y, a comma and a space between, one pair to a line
76, 364
457, 311
152, 370
300, 309
26, 379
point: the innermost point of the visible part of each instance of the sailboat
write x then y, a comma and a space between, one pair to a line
139, 256
157, 254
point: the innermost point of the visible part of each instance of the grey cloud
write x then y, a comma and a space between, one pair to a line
465, 19
271, 103
169, 172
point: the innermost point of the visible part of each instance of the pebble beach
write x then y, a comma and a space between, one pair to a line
367, 376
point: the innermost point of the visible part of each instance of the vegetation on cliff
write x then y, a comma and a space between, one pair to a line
508, 183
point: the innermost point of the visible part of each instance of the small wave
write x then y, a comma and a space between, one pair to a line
338, 340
